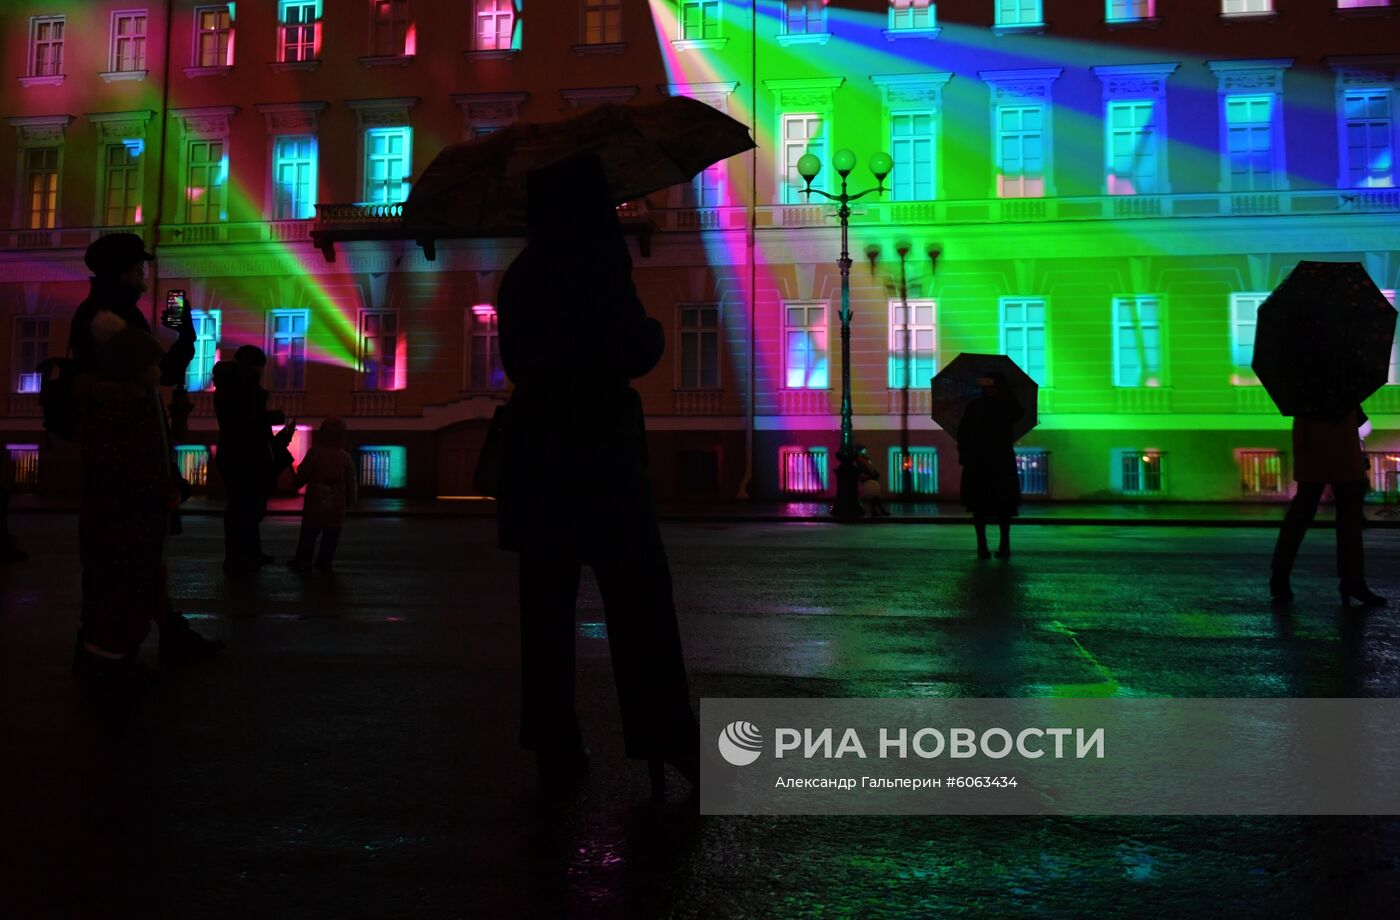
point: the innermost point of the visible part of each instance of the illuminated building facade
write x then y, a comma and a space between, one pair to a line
1113, 188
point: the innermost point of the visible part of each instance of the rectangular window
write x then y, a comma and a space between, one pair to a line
383, 467
802, 470
805, 346
485, 371
805, 17
699, 346
286, 354
1023, 338
24, 465
801, 134
1261, 472
1132, 148
1021, 151
121, 184
1244, 313
387, 154
1140, 472
1137, 342
913, 358
41, 186
31, 346
389, 28
912, 147
602, 22
912, 14
193, 460
1370, 155
706, 190
379, 350
1019, 13
495, 25
1129, 10
207, 165
1385, 475
699, 19
1033, 470
1238, 7
299, 30
214, 36
128, 40
46, 46
199, 376
916, 471
1249, 141
294, 177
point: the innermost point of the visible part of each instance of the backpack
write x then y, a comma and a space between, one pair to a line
57, 397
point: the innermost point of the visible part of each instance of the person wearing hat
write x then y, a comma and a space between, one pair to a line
118, 265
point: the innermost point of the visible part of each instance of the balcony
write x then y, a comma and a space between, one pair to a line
1143, 400
804, 402
23, 405
919, 401
262, 231
1254, 400
291, 402
697, 402
375, 403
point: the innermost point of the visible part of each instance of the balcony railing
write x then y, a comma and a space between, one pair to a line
375, 402
697, 402
804, 402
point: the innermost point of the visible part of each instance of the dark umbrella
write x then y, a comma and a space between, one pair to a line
956, 385
478, 188
1323, 340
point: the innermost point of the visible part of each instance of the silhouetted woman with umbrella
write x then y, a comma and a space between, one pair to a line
991, 489
574, 484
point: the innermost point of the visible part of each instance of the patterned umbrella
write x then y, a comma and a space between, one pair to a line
478, 188
956, 385
1323, 340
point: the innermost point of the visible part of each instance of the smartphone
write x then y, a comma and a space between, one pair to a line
173, 317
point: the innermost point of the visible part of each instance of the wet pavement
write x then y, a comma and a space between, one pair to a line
353, 753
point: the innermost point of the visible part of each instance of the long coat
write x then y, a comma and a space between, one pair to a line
330, 478
986, 450
574, 482
1329, 450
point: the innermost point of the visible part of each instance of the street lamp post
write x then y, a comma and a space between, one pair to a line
847, 487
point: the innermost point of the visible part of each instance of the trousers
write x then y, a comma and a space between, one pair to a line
644, 640
1348, 497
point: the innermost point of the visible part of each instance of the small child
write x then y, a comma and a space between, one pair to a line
328, 473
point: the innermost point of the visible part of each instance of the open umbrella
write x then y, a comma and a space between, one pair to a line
478, 188
956, 385
1322, 344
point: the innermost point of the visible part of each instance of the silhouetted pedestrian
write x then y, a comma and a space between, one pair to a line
118, 265
575, 489
329, 475
868, 477
1327, 451
249, 457
991, 488
128, 491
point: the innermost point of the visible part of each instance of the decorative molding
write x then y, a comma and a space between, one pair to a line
115, 127
1010, 86
1250, 76
1020, 28
292, 117
912, 90
699, 44
1377, 70
211, 121
1136, 81
892, 35
289, 66
492, 54
218, 70
598, 95
389, 112
715, 95
586, 50
50, 80
804, 93
385, 60
120, 76
803, 38
41, 130
495, 110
